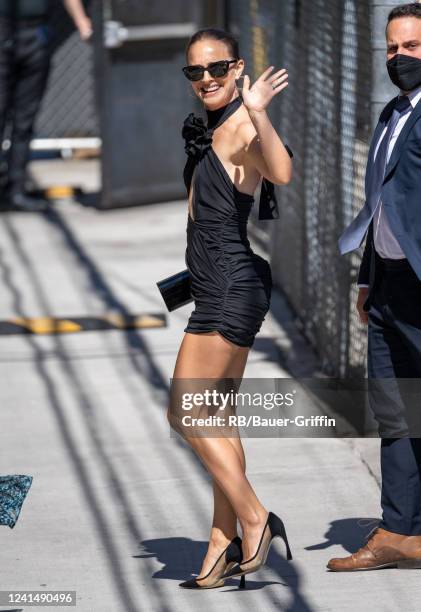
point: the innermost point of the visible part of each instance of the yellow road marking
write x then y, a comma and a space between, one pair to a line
55, 325
47, 325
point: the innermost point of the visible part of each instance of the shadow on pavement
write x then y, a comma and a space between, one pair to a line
350, 533
182, 557
143, 363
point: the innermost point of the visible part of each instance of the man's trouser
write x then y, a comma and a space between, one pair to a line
24, 66
394, 351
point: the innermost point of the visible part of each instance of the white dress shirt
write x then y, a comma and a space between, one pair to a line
385, 242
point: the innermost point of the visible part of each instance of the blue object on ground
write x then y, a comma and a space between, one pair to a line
13, 490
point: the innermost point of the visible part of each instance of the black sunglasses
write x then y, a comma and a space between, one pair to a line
215, 69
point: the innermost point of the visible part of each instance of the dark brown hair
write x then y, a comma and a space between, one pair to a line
216, 34
413, 9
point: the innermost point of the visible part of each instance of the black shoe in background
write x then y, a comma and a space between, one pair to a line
24, 203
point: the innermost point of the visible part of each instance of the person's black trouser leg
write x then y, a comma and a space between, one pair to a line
394, 351
6, 65
32, 61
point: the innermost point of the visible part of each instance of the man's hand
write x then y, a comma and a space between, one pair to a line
81, 20
362, 296
85, 28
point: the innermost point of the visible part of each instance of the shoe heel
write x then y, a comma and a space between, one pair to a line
409, 564
242, 584
277, 528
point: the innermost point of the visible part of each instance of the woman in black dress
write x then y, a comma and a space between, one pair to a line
231, 285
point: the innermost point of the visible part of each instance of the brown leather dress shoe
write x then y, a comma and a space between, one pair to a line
383, 549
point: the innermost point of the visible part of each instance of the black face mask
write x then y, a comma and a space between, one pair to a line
404, 71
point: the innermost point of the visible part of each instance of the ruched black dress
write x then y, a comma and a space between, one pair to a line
230, 284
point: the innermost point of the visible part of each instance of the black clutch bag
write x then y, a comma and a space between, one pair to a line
176, 289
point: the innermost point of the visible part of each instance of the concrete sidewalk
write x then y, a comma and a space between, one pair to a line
120, 511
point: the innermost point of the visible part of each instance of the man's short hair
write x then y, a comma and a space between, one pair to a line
413, 9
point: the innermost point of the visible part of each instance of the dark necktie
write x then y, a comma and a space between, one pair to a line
354, 234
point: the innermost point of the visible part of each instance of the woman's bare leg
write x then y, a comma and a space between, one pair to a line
209, 355
224, 522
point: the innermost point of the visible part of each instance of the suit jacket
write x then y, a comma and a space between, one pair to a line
401, 192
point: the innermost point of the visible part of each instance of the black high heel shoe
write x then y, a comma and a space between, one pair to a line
226, 560
273, 528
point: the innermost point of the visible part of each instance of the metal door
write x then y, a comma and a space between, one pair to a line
143, 97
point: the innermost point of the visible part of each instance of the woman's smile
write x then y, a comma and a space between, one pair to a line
210, 90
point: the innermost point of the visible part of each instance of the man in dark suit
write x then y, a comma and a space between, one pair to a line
25, 54
390, 295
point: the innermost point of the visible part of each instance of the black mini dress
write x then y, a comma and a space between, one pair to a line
230, 284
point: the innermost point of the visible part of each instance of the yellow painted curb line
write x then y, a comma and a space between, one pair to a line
56, 325
57, 192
